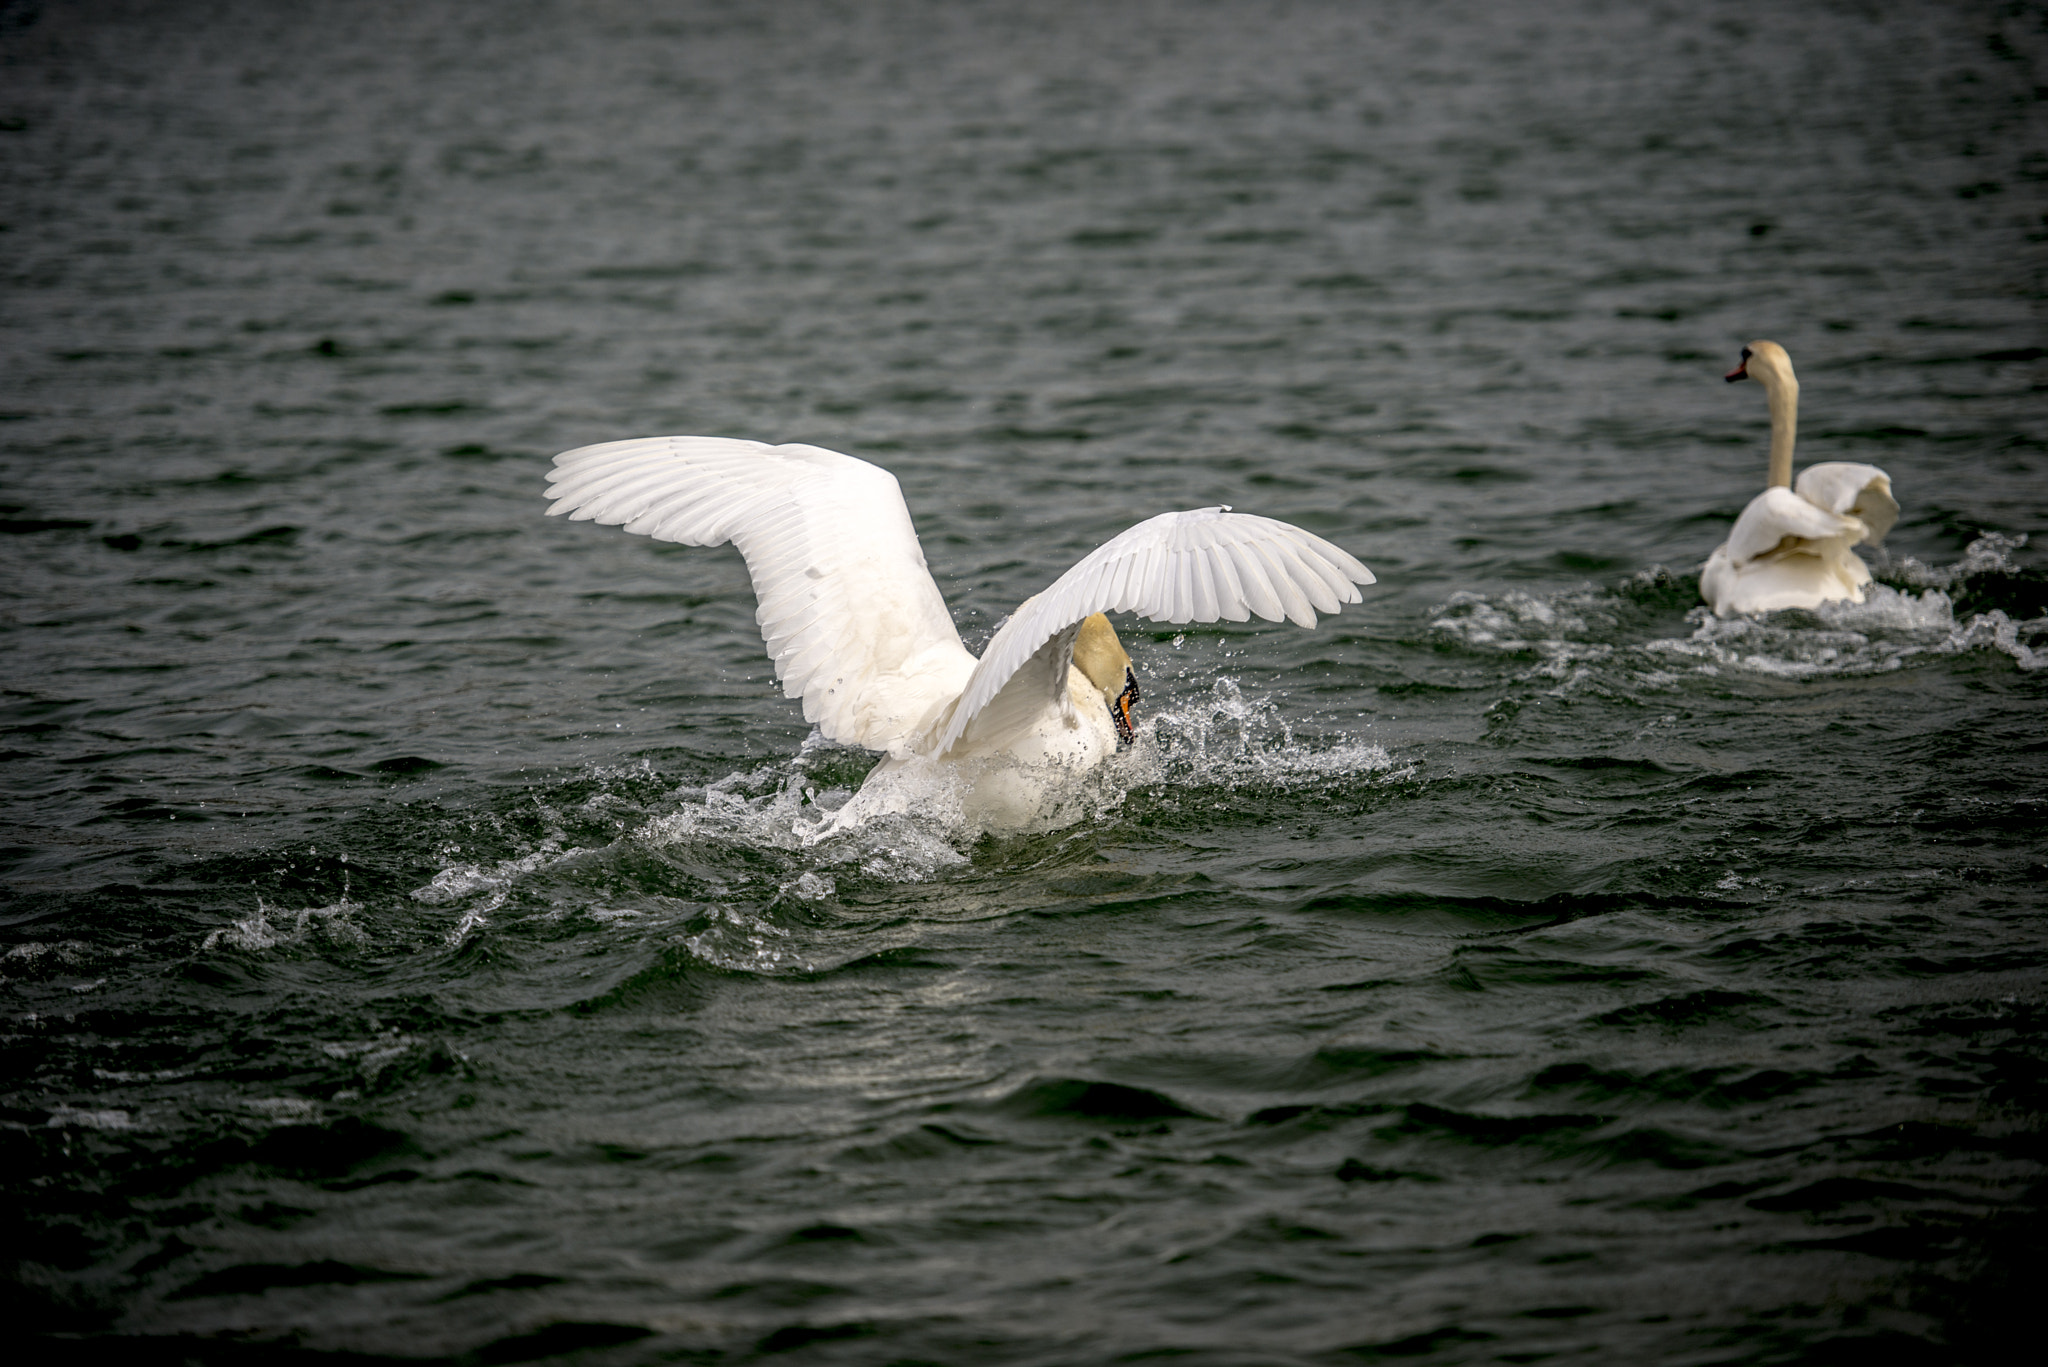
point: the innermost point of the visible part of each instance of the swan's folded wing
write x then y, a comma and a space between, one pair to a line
1178, 567
1040, 682
1863, 492
849, 612
1778, 515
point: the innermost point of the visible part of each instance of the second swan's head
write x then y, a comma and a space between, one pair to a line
1100, 655
1765, 362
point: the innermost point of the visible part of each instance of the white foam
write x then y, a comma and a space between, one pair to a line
370, 1056
285, 1110
66, 1117
119, 1075
1512, 621
2001, 633
64, 953
1519, 623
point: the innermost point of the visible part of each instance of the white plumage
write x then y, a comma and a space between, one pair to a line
1790, 548
857, 629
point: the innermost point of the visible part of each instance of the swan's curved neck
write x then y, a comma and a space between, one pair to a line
1784, 397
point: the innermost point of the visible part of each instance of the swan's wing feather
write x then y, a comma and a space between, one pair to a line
1041, 681
1178, 567
1863, 492
1258, 587
1777, 515
846, 606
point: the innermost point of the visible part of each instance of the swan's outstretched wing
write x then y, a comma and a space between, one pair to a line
849, 612
1178, 567
1860, 491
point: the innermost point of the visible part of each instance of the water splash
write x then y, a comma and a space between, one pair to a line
1226, 739
912, 833
1561, 630
1990, 554
490, 885
741, 872
741, 942
910, 825
2026, 642
333, 924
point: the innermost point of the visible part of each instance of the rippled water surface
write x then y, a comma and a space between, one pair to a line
407, 948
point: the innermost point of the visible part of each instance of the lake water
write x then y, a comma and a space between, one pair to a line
405, 950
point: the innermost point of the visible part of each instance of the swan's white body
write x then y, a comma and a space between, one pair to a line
858, 631
1790, 547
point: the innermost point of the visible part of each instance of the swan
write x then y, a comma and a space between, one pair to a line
857, 628
1790, 547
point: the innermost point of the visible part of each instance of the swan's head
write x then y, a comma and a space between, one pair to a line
1767, 363
1100, 655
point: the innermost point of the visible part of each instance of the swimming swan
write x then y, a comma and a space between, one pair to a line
1790, 547
857, 628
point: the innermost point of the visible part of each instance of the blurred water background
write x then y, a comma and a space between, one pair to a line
404, 950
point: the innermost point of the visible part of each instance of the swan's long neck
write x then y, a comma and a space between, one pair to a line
1784, 397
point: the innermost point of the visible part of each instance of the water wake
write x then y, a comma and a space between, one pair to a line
1573, 632
1883, 632
745, 868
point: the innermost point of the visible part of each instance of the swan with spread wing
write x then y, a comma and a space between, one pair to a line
858, 631
1790, 547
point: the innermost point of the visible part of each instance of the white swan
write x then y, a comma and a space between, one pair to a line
1790, 547
857, 628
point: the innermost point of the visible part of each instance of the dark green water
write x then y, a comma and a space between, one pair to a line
404, 949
